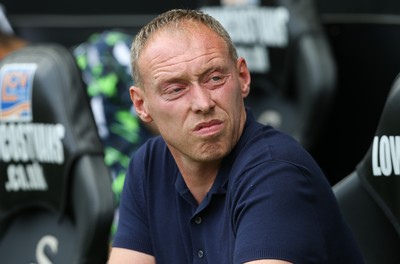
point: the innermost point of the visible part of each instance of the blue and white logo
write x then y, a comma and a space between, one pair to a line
16, 81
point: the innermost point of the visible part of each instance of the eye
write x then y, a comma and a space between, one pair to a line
176, 90
216, 80
173, 92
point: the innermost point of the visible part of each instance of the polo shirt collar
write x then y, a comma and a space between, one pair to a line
221, 182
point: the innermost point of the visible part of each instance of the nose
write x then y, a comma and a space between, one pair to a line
202, 101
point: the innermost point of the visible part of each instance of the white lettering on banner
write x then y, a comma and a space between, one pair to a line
25, 178
21, 143
24, 142
386, 155
46, 241
262, 25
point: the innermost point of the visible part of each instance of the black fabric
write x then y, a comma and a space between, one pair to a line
60, 244
56, 102
369, 197
379, 170
56, 201
374, 233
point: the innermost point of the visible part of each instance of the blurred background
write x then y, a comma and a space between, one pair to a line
364, 36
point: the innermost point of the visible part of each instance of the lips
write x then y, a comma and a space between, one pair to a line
209, 127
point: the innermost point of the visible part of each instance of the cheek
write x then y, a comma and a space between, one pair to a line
232, 94
171, 129
164, 114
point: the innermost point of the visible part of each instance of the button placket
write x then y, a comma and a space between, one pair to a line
198, 220
200, 254
198, 244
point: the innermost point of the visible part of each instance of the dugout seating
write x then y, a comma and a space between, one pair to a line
369, 197
56, 204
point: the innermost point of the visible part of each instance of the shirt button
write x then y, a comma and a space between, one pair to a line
200, 253
198, 220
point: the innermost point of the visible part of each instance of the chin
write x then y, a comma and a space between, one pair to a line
213, 153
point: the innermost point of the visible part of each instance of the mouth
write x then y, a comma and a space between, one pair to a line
209, 128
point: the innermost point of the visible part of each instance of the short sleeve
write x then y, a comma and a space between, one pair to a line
274, 215
133, 230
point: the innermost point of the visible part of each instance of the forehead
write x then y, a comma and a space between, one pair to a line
177, 39
176, 49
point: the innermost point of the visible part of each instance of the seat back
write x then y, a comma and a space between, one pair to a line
293, 69
369, 197
56, 203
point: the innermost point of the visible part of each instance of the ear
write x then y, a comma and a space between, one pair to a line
138, 100
244, 76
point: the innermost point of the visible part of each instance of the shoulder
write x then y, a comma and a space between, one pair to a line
261, 144
153, 151
273, 159
151, 163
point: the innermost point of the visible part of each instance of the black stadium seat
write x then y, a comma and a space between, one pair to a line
289, 56
56, 202
369, 197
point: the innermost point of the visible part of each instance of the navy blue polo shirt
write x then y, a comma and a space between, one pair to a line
269, 200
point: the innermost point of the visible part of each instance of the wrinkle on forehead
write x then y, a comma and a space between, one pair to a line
183, 35
169, 49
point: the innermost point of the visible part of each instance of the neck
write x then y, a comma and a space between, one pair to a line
199, 177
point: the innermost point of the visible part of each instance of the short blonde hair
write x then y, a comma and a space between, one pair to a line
175, 18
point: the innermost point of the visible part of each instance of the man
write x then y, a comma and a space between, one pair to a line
216, 187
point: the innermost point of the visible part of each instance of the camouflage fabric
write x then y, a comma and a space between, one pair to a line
105, 63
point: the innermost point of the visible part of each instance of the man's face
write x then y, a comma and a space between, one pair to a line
194, 92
